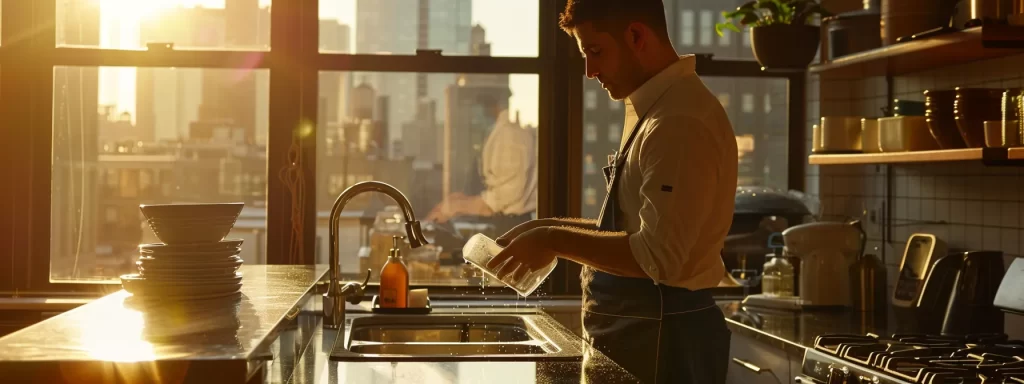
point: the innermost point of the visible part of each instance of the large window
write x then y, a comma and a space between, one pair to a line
129, 136
464, 152
454, 27
188, 24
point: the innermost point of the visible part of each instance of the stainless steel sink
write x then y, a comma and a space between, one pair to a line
462, 337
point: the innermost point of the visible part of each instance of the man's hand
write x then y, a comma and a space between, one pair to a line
530, 251
512, 234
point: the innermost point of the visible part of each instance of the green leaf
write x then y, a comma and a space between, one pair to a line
750, 18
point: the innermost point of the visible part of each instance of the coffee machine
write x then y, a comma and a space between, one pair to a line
824, 252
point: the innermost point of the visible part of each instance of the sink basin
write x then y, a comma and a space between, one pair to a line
457, 337
461, 329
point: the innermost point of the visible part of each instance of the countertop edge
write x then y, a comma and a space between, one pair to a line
789, 346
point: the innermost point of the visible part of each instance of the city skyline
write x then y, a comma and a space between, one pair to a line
508, 35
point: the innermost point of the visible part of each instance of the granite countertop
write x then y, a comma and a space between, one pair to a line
794, 331
227, 337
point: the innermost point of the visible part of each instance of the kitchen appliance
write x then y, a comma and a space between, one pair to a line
758, 213
948, 292
924, 358
970, 308
824, 252
851, 32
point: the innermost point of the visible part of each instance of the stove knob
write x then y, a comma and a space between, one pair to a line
838, 375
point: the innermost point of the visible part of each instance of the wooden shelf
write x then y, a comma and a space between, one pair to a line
988, 156
978, 43
899, 157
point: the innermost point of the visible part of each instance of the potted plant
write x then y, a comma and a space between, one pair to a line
780, 33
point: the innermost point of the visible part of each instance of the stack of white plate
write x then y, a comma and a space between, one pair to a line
186, 272
194, 261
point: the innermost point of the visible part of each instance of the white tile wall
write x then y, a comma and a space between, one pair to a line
975, 206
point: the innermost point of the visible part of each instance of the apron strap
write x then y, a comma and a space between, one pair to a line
606, 220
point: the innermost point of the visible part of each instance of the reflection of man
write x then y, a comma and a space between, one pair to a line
508, 168
651, 257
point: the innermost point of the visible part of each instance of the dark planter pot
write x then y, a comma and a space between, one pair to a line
785, 46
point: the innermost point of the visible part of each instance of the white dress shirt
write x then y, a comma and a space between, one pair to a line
678, 184
509, 168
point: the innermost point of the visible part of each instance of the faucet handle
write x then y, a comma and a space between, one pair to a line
353, 292
367, 279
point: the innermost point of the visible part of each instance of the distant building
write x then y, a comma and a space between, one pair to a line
396, 27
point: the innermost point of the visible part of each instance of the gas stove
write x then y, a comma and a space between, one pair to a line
914, 358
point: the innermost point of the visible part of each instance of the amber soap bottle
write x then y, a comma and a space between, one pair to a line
394, 279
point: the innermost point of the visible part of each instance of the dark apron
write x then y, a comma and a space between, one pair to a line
659, 333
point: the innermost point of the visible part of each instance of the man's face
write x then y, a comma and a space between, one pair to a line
610, 59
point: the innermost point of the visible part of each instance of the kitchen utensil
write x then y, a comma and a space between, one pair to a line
924, 285
972, 108
479, 251
869, 136
815, 137
905, 134
1010, 106
851, 32
941, 120
839, 134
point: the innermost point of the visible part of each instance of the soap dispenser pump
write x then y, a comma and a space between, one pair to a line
394, 279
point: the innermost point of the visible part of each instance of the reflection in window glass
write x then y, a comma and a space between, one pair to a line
686, 27
188, 24
151, 136
590, 132
724, 99
456, 27
746, 39
590, 198
767, 103
615, 132
760, 133
748, 103
590, 99
589, 167
463, 151
707, 27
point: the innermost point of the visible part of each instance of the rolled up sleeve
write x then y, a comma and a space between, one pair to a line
678, 161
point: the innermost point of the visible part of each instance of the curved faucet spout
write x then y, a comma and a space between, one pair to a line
334, 298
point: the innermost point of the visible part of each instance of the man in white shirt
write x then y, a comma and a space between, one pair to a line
652, 256
509, 173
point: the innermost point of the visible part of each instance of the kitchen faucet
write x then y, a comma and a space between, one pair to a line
334, 299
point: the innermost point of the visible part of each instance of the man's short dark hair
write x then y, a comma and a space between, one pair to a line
614, 15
